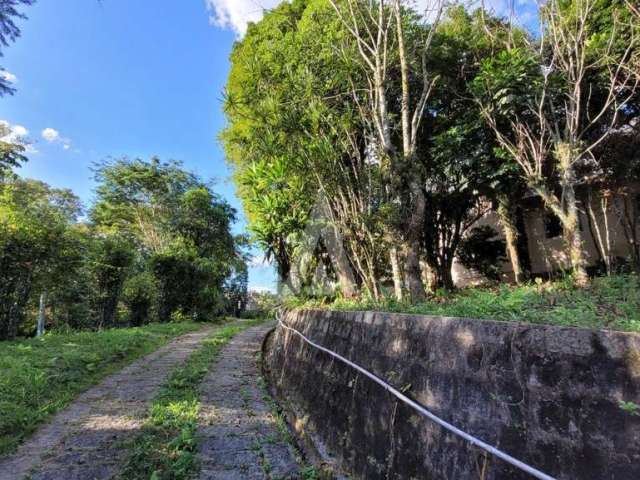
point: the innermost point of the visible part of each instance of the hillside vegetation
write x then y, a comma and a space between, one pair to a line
609, 302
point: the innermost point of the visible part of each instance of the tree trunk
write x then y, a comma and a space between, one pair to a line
441, 266
569, 214
443, 277
604, 207
338, 255
412, 272
427, 276
407, 149
573, 238
397, 275
413, 246
295, 277
41, 315
596, 235
506, 214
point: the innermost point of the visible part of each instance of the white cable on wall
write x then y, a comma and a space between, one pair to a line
423, 411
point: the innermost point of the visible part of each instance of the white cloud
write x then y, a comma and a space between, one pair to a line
236, 14
13, 133
52, 135
19, 131
8, 76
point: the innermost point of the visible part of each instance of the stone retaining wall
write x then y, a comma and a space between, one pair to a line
549, 396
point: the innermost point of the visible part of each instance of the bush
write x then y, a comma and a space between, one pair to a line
188, 284
110, 259
140, 295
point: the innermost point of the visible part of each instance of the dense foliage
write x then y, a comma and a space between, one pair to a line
155, 245
367, 139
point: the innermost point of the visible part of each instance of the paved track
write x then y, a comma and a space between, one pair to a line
239, 437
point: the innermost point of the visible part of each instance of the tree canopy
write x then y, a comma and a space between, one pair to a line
409, 129
155, 245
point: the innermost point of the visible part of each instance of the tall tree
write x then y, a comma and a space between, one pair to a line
180, 227
35, 223
553, 103
381, 32
464, 172
295, 146
110, 258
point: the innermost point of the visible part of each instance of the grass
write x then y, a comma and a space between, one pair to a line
42, 375
166, 449
609, 302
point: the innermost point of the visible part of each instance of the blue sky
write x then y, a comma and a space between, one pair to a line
121, 77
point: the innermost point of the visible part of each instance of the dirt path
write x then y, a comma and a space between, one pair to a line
84, 441
239, 436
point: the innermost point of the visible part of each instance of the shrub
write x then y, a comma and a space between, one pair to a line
140, 295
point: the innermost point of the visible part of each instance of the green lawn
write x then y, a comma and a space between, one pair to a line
42, 375
166, 449
610, 302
